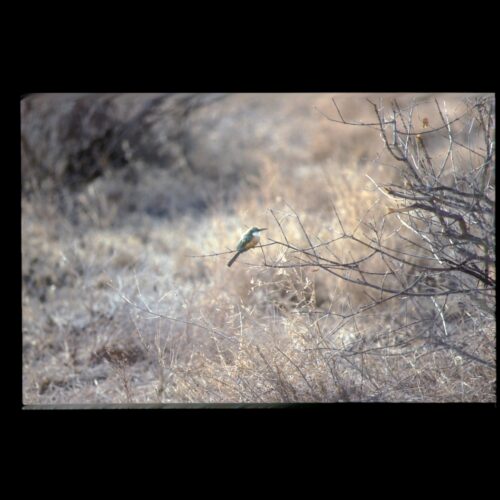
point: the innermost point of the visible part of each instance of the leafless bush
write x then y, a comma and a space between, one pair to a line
425, 265
433, 251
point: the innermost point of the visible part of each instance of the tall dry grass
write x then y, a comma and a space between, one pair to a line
140, 311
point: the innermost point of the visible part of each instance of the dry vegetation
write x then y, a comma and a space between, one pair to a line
132, 204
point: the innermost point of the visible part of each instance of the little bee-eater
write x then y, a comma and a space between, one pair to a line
248, 240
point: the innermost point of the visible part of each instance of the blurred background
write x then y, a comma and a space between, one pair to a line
120, 191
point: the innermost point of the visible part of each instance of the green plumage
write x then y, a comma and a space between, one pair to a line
247, 241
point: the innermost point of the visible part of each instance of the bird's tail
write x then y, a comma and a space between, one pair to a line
233, 258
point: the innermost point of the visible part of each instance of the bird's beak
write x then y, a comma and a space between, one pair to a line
262, 228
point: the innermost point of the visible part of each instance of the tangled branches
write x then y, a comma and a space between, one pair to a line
441, 239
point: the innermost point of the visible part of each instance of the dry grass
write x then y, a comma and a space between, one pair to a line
116, 309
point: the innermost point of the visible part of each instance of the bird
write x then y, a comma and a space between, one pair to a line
247, 241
